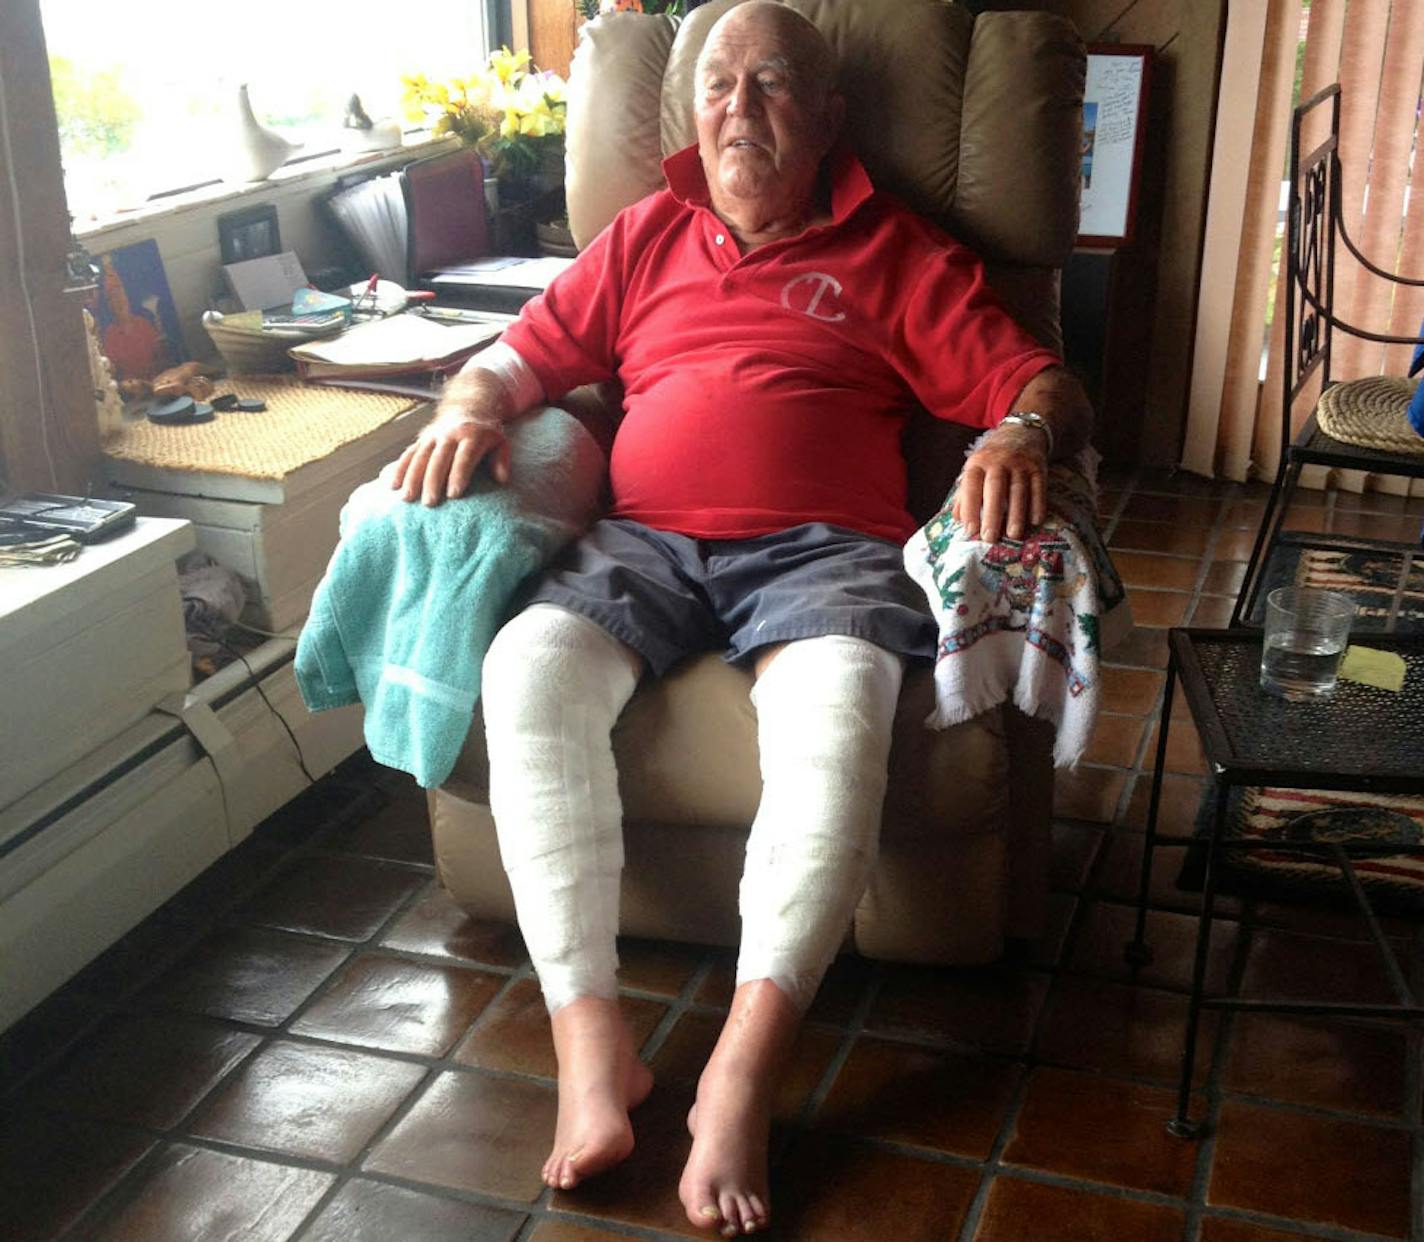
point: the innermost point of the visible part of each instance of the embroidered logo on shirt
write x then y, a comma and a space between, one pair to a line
808, 294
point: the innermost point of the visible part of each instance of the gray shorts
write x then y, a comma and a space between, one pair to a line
667, 596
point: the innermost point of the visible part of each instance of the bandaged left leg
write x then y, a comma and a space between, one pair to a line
825, 708
554, 683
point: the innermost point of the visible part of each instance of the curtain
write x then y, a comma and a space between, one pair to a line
1375, 50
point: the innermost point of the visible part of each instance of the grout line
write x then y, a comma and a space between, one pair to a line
992, 1165
1293, 1227
854, 1028
1216, 1072
106, 1205
678, 1005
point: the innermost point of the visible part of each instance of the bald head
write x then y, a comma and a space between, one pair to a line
766, 117
805, 54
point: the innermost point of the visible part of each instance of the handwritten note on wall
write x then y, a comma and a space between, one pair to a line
1111, 104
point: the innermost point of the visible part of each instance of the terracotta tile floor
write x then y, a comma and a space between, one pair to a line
312, 1042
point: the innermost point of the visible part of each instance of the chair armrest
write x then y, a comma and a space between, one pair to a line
1024, 621
599, 407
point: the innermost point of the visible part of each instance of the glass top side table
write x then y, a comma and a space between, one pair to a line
1357, 738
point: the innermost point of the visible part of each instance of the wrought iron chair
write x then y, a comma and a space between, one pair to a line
1314, 222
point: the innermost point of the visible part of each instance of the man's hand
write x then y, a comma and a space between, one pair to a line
1007, 478
467, 429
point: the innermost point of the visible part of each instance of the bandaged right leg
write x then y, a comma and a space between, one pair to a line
554, 683
825, 712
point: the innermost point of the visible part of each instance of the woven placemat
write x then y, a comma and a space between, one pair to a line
1373, 413
302, 423
1395, 882
1388, 590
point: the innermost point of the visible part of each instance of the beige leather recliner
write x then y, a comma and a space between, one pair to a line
975, 122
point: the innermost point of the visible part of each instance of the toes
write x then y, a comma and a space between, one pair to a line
760, 1216
747, 1213
731, 1214
711, 1216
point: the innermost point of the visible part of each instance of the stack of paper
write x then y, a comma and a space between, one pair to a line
505, 272
400, 345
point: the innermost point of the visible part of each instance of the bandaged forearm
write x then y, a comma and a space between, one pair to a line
515, 376
825, 711
553, 686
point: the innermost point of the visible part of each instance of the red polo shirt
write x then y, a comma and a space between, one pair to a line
769, 389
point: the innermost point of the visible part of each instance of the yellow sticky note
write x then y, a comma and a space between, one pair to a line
1373, 668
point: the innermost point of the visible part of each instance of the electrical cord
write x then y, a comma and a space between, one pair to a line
282, 720
252, 629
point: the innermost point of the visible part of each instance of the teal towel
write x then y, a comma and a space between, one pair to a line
412, 596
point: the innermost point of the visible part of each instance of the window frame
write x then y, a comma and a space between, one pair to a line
49, 436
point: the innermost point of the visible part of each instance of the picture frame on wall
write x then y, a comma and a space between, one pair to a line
251, 233
1114, 135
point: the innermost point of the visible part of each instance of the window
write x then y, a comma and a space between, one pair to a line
146, 90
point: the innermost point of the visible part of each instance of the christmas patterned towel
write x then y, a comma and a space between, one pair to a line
1024, 621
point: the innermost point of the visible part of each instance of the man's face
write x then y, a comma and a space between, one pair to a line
762, 129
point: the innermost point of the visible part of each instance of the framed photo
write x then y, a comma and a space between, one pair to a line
249, 234
1114, 133
134, 312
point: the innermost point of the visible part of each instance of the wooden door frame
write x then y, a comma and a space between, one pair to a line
49, 435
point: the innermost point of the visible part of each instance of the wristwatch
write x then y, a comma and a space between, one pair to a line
1027, 418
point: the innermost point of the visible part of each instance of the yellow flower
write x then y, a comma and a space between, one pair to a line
505, 65
505, 109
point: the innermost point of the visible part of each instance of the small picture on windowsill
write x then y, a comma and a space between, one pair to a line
249, 234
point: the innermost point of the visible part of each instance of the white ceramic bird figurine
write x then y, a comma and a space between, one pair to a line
260, 151
360, 133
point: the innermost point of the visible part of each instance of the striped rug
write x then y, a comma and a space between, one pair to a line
1395, 882
1385, 588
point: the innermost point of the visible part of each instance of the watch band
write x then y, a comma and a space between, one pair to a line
1029, 418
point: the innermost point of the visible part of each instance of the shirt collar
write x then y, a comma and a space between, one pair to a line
850, 183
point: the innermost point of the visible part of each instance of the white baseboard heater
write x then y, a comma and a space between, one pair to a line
98, 847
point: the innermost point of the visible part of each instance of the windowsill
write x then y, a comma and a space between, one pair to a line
286, 177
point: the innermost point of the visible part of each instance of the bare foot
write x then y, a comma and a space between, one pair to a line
600, 1079
724, 1184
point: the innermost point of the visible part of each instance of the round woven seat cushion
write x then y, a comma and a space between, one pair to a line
1373, 413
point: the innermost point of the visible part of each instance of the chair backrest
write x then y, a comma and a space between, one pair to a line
445, 212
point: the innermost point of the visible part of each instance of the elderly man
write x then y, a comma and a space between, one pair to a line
772, 320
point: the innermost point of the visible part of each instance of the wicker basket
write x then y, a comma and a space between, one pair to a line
248, 349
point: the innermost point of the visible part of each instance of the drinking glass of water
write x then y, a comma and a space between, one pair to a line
1305, 636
